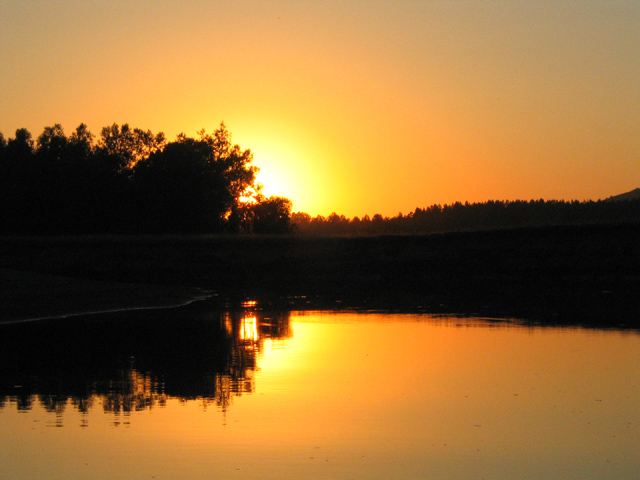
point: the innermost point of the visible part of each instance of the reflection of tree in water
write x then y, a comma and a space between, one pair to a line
135, 362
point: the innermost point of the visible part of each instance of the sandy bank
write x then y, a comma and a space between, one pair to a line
26, 296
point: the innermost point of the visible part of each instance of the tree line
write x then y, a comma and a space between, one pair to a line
460, 217
132, 181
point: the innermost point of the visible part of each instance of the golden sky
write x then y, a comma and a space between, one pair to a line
357, 107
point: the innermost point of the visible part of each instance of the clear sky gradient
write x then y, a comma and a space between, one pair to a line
356, 107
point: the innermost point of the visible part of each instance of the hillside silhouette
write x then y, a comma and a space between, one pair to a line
632, 195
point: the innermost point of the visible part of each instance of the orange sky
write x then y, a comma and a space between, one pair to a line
354, 107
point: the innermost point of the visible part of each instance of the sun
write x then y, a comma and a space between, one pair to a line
279, 170
293, 164
273, 179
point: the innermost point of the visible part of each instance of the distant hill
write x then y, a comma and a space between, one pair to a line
633, 194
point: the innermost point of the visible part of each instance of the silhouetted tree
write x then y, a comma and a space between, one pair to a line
18, 183
20, 148
234, 164
300, 221
81, 144
272, 215
52, 143
51, 193
494, 214
3, 145
180, 189
125, 146
5, 195
83, 176
193, 185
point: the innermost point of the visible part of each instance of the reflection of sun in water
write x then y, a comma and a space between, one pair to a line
249, 329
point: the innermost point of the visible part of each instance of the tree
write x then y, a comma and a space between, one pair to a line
20, 148
179, 190
17, 184
52, 192
300, 221
81, 143
272, 215
3, 152
131, 180
126, 146
195, 185
52, 144
234, 164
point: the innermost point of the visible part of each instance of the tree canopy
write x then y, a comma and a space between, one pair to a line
464, 217
132, 181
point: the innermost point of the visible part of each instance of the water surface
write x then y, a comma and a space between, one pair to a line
190, 393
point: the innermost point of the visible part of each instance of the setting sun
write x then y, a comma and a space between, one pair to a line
357, 108
275, 173
295, 165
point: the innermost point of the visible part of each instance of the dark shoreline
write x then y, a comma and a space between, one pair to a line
582, 275
32, 296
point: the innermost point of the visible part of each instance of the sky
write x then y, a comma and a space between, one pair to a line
355, 107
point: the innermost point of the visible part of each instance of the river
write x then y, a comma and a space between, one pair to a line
249, 393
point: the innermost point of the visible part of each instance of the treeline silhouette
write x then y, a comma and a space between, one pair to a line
132, 181
463, 217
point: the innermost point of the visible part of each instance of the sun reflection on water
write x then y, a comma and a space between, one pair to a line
249, 330
209, 359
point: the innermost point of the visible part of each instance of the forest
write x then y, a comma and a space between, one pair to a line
470, 217
132, 181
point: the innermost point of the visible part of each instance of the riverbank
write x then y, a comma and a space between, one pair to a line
30, 296
580, 275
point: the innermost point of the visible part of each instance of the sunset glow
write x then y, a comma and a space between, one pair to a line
351, 107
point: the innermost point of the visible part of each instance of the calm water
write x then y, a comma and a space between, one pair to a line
190, 393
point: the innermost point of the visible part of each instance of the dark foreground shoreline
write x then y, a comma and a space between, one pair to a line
583, 275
